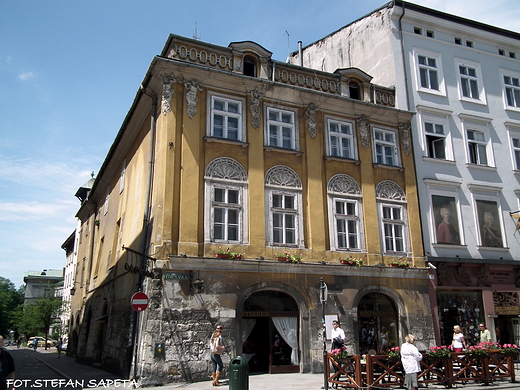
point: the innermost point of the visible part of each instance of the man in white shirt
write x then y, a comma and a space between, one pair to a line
338, 336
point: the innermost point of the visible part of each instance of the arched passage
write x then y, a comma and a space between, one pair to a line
270, 332
378, 323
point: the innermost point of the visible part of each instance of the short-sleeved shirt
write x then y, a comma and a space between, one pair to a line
485, 336
7, 367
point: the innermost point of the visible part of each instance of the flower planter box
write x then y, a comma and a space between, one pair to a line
222, 255
348, 262
400, 265
283, 259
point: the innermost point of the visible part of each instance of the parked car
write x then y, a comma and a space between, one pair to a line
41, 342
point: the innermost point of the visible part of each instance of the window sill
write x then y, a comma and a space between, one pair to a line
516, 172
481, 167
343, 159
492, 248
226, 141
449, 246
474, 101
432, 92
393, 167
282, 150
438, 160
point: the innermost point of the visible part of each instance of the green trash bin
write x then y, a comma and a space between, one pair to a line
238, 374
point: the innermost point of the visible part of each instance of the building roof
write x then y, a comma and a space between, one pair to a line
46, 273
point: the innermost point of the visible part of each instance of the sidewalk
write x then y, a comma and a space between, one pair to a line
66, 367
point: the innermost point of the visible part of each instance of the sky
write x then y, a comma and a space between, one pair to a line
69, 71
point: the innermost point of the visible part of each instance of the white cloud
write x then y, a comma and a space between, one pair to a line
24, 76
26, 211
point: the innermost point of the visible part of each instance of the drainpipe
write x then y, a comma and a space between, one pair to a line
403, 56
134, 322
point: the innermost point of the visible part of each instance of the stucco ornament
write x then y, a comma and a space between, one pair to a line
256, 96
482, 276
191, 96
282, 176
167, 93
443, 273
364, 129
387, 189
226, 168
343, 184
404, 128
310, 113
462, 275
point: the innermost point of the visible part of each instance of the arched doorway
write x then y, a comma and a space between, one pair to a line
377, 319
270, 333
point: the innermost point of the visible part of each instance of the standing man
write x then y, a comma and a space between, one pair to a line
338, 336
485, 334
7, 367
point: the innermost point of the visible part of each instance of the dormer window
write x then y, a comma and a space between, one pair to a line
249, 66
354, 90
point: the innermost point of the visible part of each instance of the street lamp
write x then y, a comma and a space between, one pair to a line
323, 300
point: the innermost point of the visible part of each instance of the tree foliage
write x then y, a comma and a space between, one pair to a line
37, 318
10, 299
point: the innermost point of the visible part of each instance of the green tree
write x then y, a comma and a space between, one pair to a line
38, 317
10, 299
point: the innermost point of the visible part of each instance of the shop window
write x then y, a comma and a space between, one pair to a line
377, 319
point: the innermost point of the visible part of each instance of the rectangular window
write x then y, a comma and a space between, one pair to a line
477, 147
226, 118
512, 91
393, 228
516, 152
281, 129
469, 82
385, 147
341, 139
347, 224
284, 223
227, 209
435, 140
428, 72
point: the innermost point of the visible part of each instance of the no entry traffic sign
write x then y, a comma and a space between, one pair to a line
139, 301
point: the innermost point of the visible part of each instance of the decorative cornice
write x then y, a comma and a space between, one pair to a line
191, 96
310, 113
364, 129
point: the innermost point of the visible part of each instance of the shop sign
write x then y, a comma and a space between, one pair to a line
175, 276
506, 303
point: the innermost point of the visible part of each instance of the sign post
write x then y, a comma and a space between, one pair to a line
139, 301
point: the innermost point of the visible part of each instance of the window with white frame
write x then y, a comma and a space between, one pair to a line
344, 213
436, 134
284, 205
226, 118
477, 147
385, 147
281, 128
512, 90
340, 138
515, 147
429, 75
122, 177
226, 212
435, 139
471, 86
392, 211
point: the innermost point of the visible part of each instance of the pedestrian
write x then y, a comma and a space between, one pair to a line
410, 358
18, 341
6, 368
338, 336
485, 334
35, 343
59, 346
458, 343
217, 349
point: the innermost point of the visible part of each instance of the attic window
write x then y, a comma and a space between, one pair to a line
354, 90
249, 66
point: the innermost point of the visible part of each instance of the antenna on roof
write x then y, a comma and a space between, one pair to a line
288, 46
196, 33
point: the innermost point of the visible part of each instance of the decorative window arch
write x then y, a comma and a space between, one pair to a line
226, 201
345, 223
388, 189
284, 204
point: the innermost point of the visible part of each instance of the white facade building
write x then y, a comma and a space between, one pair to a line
462, 78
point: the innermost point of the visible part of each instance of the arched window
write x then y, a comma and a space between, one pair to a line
345, 213
249, 66
284, 205
225, 205
377, 319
